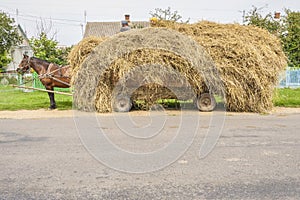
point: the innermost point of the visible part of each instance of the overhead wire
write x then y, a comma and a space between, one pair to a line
34, 18
25, 19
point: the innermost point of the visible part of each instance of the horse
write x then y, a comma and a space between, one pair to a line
50, 74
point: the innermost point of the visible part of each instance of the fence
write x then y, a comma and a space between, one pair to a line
29, 80
7, 79
38, 84
291, 78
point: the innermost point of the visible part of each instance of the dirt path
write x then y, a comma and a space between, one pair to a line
43, 113
35, 114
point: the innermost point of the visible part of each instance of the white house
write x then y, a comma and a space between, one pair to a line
16, 52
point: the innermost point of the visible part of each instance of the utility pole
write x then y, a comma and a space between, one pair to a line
85, 17
17, 16
82, 31
243, 16
84, 22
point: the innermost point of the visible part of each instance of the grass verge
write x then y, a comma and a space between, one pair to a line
15, 99
287, 97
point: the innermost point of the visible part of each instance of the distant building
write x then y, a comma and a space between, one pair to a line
107, 29
16, 52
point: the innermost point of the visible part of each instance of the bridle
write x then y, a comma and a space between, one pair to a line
27, 66
28, 62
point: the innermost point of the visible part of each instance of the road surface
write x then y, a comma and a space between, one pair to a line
255, 157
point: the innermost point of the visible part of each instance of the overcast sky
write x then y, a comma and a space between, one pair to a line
67, 16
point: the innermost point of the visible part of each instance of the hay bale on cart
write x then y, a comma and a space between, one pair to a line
80, 51
146, 64
248, 61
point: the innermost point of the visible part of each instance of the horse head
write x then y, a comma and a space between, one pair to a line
24, 65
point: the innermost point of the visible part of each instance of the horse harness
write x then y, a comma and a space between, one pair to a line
50, 74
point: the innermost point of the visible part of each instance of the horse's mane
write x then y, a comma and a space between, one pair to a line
42, 62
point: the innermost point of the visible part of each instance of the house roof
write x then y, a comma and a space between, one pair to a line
106, 29
21, 32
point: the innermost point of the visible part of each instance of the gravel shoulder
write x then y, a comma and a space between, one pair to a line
44, 113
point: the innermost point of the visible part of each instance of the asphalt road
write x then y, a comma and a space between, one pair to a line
256, 157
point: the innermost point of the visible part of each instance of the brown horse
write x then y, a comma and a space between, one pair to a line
51, 75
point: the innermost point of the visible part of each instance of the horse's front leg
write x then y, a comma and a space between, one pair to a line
52, 100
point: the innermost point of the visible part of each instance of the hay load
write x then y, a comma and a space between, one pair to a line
248, 59
159, 60
81, 51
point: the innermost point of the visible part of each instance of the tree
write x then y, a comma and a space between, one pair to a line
253, 17
167, 14
291, 37
4, 61
9, 38
287, 28
47, 49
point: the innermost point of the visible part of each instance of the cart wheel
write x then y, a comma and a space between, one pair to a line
206, 102
122, 103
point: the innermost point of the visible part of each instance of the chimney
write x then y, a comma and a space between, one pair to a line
277, 15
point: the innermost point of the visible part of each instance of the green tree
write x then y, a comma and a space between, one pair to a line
253, 17
47, 49
4, 61
287, 28
167, 14
291, 37
9, 38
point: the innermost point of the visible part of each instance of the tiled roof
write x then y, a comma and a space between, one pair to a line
106, 29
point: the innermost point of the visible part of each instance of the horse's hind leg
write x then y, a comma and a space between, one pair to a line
52, 100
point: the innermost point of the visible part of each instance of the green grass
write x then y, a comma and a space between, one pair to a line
287, 97
15, 99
